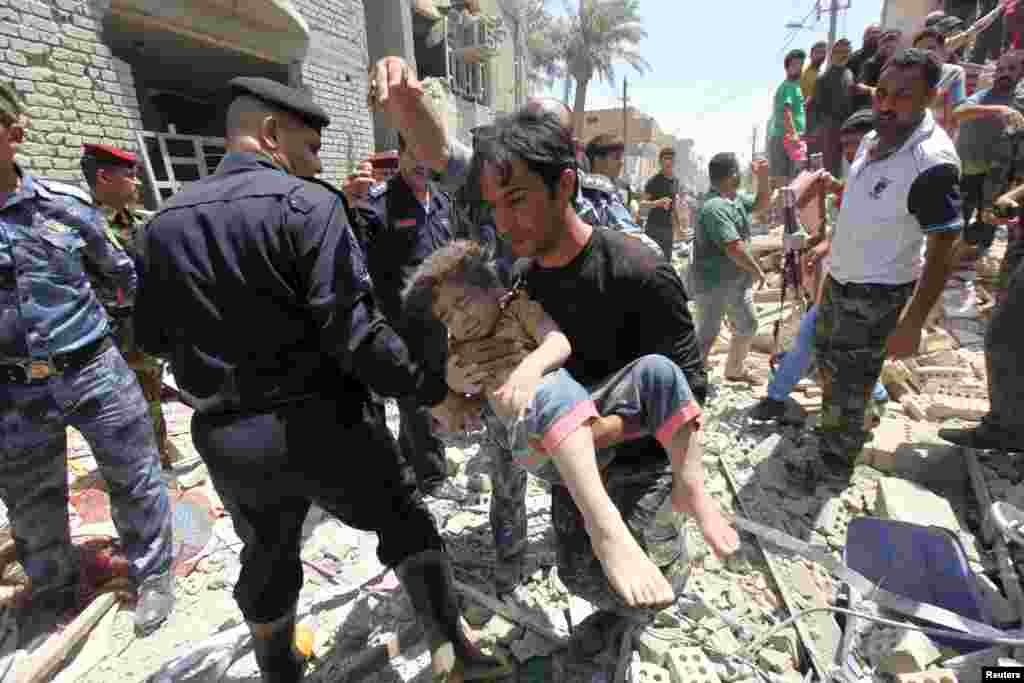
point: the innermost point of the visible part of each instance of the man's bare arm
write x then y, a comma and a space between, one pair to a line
937, 267
395, 90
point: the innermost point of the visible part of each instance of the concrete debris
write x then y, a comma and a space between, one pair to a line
929, 676
691, 665
905, 501
898, 651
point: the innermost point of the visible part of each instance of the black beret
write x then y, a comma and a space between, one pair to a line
296, 101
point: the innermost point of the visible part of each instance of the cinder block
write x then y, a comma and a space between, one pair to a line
906, 501
915, 407
653, 645
930, 676
898, 651
945, 406
691, 665
642, 672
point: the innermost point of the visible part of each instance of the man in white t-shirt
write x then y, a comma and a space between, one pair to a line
903, 189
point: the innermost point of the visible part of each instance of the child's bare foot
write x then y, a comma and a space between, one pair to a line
631, 572
695, 502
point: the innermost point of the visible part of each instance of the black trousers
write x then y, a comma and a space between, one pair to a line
420, 449
270, 467
663, 236
976, 232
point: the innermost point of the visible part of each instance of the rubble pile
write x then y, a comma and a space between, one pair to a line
740, 620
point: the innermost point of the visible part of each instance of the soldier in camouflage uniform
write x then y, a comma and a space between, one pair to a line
111, 174
903, 190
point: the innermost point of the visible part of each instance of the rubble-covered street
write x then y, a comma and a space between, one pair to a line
731, 625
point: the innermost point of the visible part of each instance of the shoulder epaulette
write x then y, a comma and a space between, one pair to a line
592, 181
66, 190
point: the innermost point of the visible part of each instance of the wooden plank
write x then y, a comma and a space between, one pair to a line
40, 666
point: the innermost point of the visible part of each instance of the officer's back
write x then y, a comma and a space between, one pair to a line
247, 259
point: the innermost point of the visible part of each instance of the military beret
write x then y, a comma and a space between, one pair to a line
296, 101
10, 103
108, 154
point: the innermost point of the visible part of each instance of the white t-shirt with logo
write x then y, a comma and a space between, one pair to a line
891, 204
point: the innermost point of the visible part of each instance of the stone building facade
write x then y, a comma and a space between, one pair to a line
122, 71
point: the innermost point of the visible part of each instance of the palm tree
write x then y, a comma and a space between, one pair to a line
600, 34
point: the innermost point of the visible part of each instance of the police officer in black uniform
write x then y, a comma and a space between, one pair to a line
256, 289
404, 221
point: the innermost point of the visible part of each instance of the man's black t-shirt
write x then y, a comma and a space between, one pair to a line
657, 187
616, 302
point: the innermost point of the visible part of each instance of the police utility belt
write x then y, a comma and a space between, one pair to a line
30, 371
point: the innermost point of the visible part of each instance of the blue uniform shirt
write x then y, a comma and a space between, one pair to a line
48, 232
609, 209
400, 233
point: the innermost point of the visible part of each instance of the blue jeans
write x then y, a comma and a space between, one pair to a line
797, 361
104, 402
651, 394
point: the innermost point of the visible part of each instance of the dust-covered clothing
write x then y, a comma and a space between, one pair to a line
616, 302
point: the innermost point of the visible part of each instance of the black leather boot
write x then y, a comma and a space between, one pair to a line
427, 578
273, 645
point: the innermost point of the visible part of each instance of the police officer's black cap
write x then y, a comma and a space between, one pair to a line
296, 101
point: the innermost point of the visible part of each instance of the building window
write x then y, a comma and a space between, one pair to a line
469, 69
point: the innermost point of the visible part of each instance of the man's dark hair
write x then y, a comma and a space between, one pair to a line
721, 166
924, 60
820, 43
602, 145
933, 19
889, 34
842, 41
666, 152
927, 33
535, 138
793, 54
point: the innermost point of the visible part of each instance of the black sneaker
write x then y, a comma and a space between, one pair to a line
768, 409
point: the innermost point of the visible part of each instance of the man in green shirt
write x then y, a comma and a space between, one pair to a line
788, 120
723, 270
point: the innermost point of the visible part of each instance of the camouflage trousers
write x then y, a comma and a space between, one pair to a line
103, 401
150, 374
854, 324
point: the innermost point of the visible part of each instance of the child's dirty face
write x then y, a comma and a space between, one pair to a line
468, 312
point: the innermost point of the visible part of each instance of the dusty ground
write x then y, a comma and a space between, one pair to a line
353, 603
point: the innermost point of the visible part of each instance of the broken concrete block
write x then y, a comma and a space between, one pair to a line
786, 641
945, 406
654, 644
929, 676
830, 517
643, 672
915, 407
905, 501
925, 375
775, 661
724, 642
691, 665
897, 651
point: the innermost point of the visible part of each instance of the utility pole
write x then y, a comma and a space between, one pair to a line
625, 110
753, 144
833, 16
